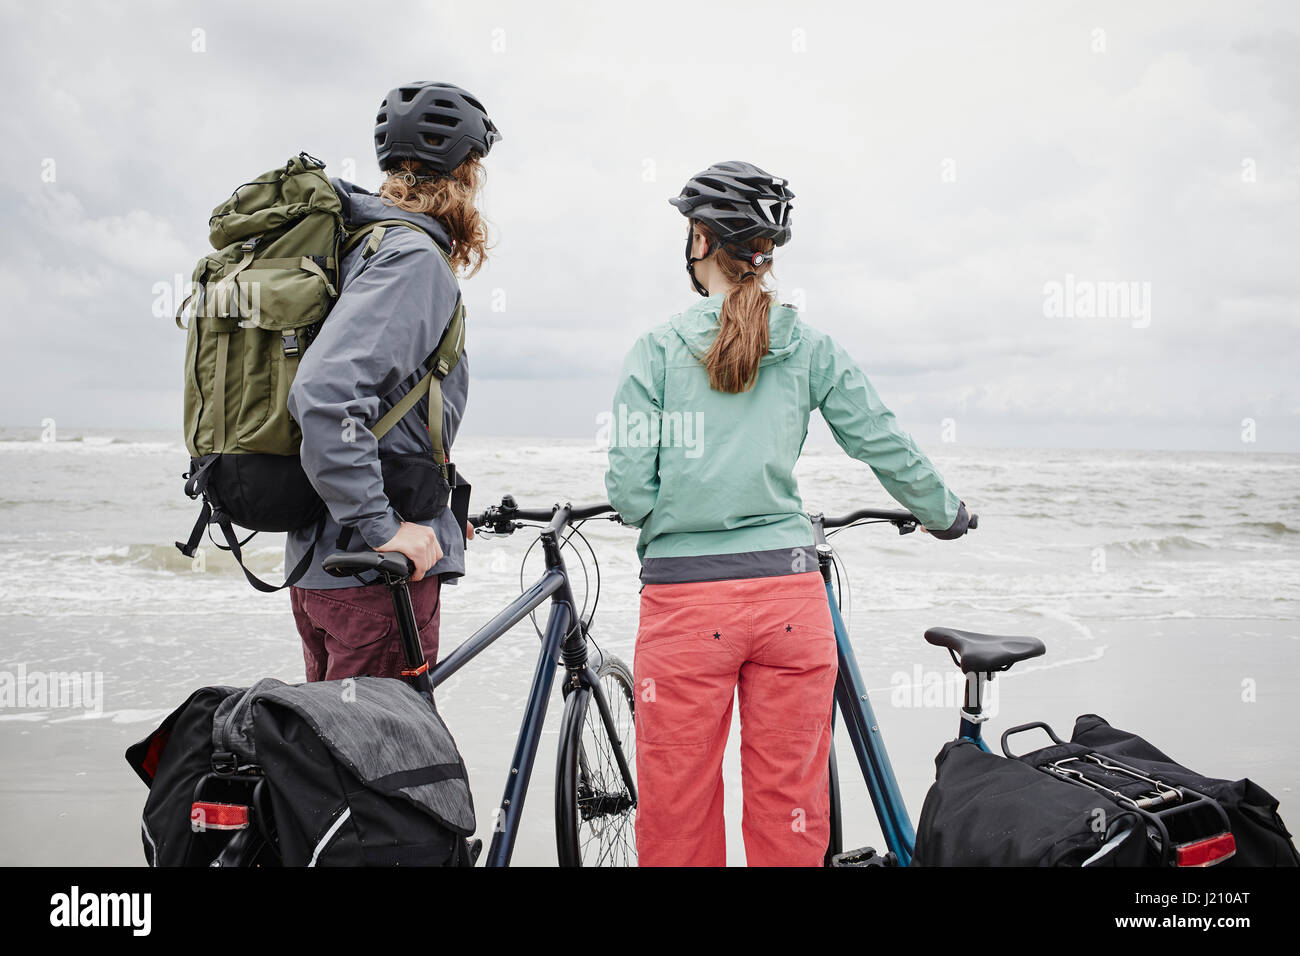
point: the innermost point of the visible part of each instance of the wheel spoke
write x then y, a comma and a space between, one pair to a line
603, 818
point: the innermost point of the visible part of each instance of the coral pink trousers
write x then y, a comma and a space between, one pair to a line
698, 643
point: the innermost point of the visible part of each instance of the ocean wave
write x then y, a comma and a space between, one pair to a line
166, 557
1278, 528
91, 445
1167, 544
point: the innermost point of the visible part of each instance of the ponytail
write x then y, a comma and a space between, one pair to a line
742, 341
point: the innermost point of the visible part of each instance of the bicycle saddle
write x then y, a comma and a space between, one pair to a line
984, 652
342, 564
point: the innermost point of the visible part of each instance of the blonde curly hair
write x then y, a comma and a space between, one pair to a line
450, 200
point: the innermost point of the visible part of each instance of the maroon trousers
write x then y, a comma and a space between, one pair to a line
351, 632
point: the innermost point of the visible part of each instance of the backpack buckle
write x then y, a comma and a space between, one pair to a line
290, 340
224, 762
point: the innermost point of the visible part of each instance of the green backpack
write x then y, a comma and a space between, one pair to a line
256, 305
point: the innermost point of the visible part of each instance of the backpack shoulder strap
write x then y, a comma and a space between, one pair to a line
445, 358
375, 230
446, 355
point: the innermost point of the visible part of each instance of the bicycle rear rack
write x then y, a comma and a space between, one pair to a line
1185, 827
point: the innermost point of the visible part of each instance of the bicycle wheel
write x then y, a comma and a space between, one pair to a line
594, 811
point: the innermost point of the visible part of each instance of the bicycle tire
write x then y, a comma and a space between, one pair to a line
594, 815
836, 842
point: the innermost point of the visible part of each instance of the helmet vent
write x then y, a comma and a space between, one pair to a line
739, 201
439, 124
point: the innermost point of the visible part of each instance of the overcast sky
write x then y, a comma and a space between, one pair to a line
966, 175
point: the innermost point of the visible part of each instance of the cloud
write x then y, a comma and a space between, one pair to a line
947, 163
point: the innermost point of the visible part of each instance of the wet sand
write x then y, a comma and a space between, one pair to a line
1178, 682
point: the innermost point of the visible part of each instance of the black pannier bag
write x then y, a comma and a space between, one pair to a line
1035, 809
172, 761
358, 772
1262, 838
986, 810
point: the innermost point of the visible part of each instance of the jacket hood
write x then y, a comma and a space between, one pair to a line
361, 206
698, 326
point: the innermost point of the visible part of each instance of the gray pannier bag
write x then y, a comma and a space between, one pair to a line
356, 772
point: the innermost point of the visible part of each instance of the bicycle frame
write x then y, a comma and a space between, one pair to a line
564, 644
854, 705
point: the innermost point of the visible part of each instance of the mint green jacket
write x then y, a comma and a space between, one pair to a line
708, 476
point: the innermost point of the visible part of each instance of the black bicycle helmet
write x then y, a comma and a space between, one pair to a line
739, 202
436, 123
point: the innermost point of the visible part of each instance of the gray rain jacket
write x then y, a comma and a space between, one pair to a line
371, 350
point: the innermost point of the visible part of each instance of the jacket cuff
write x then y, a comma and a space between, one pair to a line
379, 530
958, 527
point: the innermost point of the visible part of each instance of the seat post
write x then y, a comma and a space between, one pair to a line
417, 665
972, 711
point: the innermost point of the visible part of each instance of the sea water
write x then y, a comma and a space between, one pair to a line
1166, 586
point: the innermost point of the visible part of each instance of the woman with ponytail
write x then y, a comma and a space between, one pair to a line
731, 598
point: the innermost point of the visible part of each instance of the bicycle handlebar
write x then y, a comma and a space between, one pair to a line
862, 514
504, 517
900, 519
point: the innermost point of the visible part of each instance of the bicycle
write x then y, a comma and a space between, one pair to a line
595, 789
1181, 823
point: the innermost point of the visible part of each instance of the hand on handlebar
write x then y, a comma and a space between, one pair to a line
419, 544
972, 522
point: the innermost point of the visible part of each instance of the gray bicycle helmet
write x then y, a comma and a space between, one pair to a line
436, 123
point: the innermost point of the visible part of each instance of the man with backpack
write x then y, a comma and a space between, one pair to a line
398, 296
325, 376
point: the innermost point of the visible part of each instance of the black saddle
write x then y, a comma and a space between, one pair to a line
984, 652
344, 564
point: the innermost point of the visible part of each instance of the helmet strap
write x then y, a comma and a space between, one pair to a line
755, 259
690, 262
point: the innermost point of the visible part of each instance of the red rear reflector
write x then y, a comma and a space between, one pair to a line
218, 816
1206, 852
